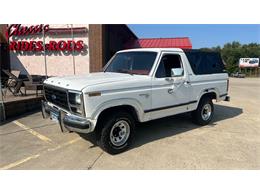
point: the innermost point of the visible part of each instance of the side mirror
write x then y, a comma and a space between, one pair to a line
175, 72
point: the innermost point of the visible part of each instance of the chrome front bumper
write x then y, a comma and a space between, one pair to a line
68, 122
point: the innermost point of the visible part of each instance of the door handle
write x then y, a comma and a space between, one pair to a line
174, 87
170, 91
177, 85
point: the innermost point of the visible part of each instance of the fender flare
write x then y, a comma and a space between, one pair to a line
120, 102
206, 91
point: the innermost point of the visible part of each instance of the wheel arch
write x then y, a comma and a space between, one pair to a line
128, 105
211, 93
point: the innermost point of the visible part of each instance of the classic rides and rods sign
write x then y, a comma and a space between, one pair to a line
19, 30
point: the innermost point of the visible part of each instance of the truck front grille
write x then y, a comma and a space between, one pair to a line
56, 96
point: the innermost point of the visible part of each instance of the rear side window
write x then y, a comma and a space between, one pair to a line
205, 62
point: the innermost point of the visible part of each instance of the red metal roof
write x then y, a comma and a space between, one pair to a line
183, 43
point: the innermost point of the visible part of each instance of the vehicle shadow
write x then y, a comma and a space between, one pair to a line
161, 128
170, 126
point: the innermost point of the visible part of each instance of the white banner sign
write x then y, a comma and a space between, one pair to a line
248, 62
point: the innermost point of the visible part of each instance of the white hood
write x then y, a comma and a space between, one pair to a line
80, 82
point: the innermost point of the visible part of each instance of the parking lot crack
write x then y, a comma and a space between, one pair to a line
94, 162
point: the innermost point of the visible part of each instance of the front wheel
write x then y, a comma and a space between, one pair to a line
204, 113
117, 133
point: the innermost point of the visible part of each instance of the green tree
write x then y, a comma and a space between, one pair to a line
231, 52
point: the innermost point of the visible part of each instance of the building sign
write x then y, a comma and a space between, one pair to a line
248, 62
17, 30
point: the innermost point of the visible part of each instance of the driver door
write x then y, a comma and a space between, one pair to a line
170, 95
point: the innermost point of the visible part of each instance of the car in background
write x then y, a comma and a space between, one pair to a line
253, 61
238, 75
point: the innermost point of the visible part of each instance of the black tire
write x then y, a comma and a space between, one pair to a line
105, 138
197, 115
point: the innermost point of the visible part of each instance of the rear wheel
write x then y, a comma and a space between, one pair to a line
117, 133
204, 113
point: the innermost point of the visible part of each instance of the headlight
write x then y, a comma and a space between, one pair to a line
78, 99
75, 102
75, 98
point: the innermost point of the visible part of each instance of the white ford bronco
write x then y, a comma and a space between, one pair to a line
137, 85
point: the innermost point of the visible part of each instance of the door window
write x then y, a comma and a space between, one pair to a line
168, 61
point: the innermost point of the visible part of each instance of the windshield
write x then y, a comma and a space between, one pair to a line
132, 63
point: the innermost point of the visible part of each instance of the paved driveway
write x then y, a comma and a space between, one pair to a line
231, 141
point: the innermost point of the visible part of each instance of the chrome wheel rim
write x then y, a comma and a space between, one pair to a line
120, 133
206, 112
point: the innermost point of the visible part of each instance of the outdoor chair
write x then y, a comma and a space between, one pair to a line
13, 83
32, 85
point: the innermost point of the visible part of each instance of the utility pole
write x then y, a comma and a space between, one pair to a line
2, 40
73, 51
2, 108
44, 49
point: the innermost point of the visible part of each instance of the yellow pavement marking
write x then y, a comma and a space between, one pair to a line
19, 162
35, 133
64, 144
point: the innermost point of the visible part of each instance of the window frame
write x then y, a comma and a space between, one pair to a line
159, 61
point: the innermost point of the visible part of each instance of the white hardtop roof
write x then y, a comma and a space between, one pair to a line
153, 49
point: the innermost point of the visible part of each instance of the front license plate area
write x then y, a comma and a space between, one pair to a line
54, 116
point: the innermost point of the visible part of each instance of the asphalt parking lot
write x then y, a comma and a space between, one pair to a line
231, 141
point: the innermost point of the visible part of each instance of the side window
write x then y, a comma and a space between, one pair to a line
168, 61
205, 62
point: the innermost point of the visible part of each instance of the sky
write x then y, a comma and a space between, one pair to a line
201, 35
